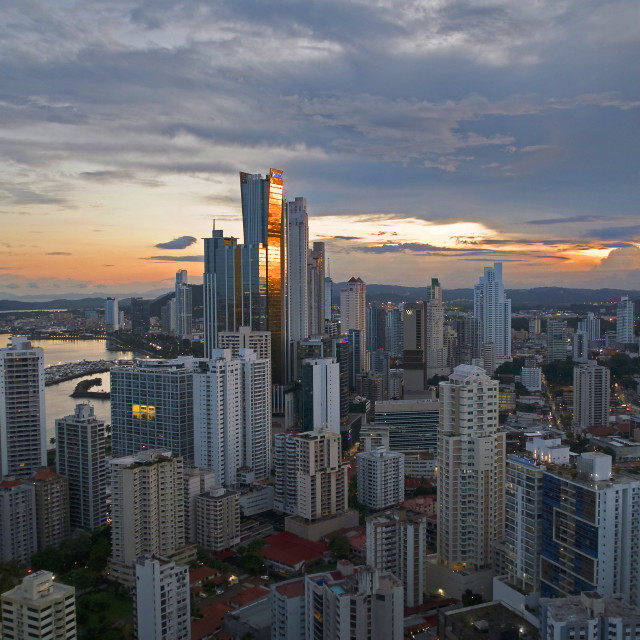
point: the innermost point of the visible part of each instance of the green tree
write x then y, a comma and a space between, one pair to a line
339, 547
469, 598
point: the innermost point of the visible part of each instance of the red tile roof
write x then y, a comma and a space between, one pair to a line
45, 475
289, 549
247, 596
600, 431
201, 573
212, 621
293, 589
7, 484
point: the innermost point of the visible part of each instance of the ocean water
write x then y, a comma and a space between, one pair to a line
57, 399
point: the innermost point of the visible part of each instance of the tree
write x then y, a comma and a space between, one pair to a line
469, 598
339, 547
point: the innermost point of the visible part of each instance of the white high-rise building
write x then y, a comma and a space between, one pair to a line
232, 415
23, 434
18, 531
111, 314
493, 309
353, 309
590, 532
80, 456
471, 466
311, 478
591, 395
531, 377
591, 325
162, 599
196, 482
184, 306
39, 609
246, 338
320, 394
380, 478
297, 248
397, 543
147, 511
625, 321
361, 604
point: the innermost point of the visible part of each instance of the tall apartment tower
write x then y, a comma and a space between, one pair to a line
264, 222
591, 395
493, 309
471, 466
218, 519
111, 315
52, 508
393, 332
353, 307
18, 533
147, 512
23, 445
397, 543
625, 321
39, 608
320, 395
580, 346
80, 457
184, 306
162, 599
380, 478
413, 320
435, 352
152, 407
361, 603
315, 287
232, 415
590, 533
591, 325
297, 250
246, 338
556, 340
311, 479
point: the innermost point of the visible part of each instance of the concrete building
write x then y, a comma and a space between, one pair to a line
534, 326
320, 395
360, 604
591, 395
147, 512
246, 338
435, 349
471, 465
591, 325
196, 482
557, 340
589, 616
380, 478
412, 424
397, 544
394, 337
152, 407
111, 315
493, 309
23, 446
297, 250
531, 377
311, 478
548, 450
183, 307
353, 308
590, 532
580, 346
316, 289
625, 322
162, 599
80, 456
218, 519
52, 508
18, 531
288, 610
39, 609
232, 415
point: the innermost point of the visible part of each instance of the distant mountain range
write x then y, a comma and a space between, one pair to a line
538, 297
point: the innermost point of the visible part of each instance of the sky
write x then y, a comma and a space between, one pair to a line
430, 137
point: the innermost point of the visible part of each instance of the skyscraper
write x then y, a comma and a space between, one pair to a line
471, 465
152, 407
111, 314
394, 339
263, 216
184, 306
557, 340
353, 306
493, 309
320, 395
380, 478
316, 289
297, 249
23, 447
18, 533
625, 321
591, 395
80, 456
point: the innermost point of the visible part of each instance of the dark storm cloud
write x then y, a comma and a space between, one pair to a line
563, 220
177, 243
614, 233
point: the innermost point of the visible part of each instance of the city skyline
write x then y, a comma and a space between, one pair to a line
426, 138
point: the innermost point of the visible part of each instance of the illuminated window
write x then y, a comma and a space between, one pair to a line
143, 412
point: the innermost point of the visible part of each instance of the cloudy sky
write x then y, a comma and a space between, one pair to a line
430, 137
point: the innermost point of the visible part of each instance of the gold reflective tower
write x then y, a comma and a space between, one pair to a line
263, 218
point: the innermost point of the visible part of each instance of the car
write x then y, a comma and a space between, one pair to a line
265, 577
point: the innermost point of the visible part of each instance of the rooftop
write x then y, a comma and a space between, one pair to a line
589, 605
289, 549
291, 589
493, 617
